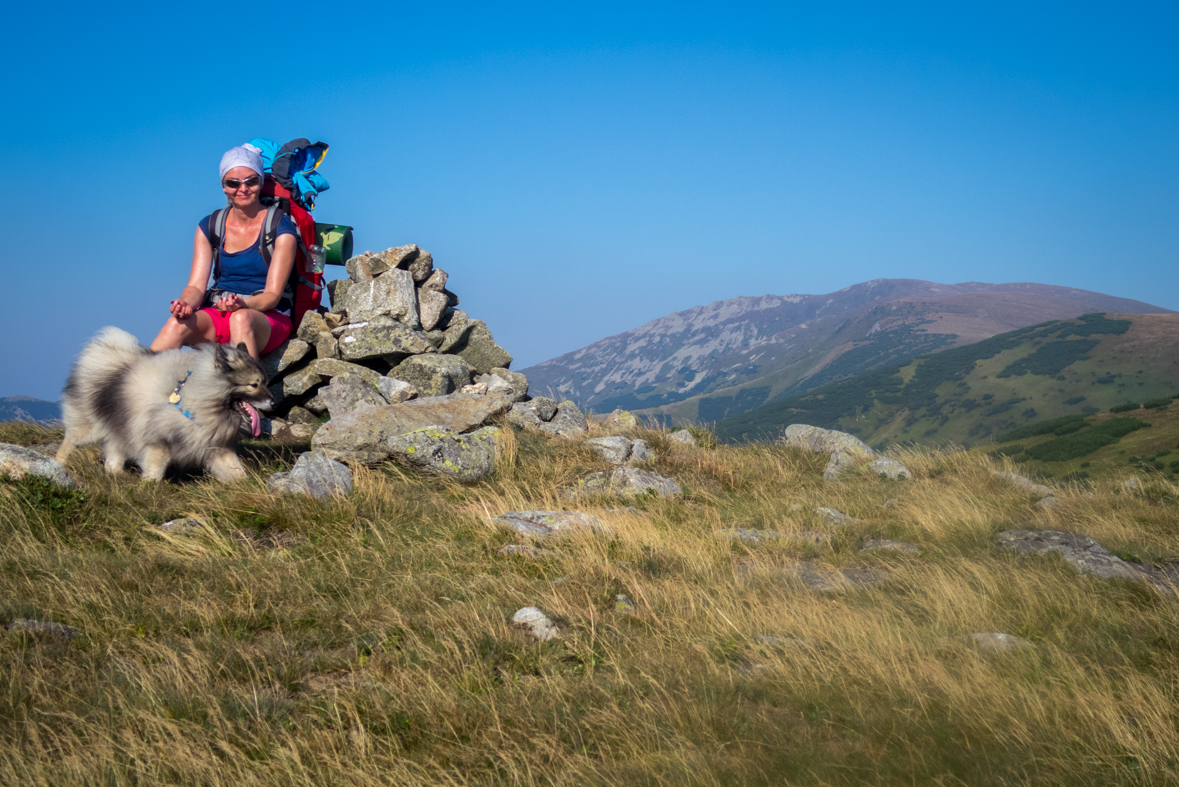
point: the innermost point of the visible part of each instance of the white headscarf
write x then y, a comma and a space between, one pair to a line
242, 156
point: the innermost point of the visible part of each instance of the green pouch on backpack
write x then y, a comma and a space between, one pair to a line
336, 240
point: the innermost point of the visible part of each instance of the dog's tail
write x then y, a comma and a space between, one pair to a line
111, 348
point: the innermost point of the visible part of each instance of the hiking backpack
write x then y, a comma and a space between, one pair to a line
290, 188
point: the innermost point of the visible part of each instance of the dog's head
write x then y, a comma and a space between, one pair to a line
246, 383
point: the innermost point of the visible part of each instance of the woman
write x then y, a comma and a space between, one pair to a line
250, 306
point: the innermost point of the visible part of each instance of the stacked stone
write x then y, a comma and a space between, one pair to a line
393, 334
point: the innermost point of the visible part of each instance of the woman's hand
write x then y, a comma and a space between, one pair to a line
180, 309
231, 302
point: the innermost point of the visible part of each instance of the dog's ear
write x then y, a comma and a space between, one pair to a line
242, 346
221, 359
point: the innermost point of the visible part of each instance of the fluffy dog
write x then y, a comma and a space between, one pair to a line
172, 408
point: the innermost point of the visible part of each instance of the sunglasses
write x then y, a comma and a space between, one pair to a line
234, 185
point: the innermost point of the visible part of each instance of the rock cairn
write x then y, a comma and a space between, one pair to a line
394, 333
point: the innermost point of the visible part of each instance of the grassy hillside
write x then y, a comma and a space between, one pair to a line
367, 641
968, 395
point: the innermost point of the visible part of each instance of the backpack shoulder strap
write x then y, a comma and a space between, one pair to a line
269, 233
217, 238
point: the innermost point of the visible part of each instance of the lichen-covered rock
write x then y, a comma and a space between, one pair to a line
334, 367
311, 326
421, 267
396, 391
615, 450
384, 338
624, 481
824, 441
538, 623
338, 294
431, 306
523, 417
466, 457
889, 468
543, 524
437, 281
327, 346
641, 452
389, 259
822, 579
314, 475
283, 357
567, 421
43, 628
348, 393
390, 295
363, 437
836, 466
683, 437
478, 348
16, 462
433, 375
621, 419
1019, 482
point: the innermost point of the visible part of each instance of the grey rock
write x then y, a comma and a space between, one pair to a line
390, 295
348, 393
334, 367
435, 337
538, 623
48, 449
437, 281
466, 457
315, 405
422, 267
524, 550
615, 450
623, 604
358, 268
396, 391
16, 462
183, 525
833, 517
311, 326
1132, 484
545, 408
1081, 552
567, 422
300, 382
314, 475
284, 357
478, 348
363, 437
384, 338
503, 382
641, 452
338, 294
780, 642
475, 388
997, 642
836, 466
288, 432
1047, 503
683, 437
824, 441
623, 481
890, 468
334, 320
433, 375
885, 545
301, 415
523, 417
1022, 483
396, 257
456, 330
431, 306
749, 535
327, 346
621, 419
43, 628
543, 524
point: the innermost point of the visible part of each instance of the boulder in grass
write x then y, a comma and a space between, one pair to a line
889, 468
536, 622
465, 457
615, 450
1023, 484
627, 481
315, 476
567, 421
641, 452
998, 642
43, 628
824, 441
16, 462
621, 419
887, 545
683, 437
1081, 552
543, 524
364, 437
836, 466
835, 517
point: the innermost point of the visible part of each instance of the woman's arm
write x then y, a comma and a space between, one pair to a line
276, 278
198, 278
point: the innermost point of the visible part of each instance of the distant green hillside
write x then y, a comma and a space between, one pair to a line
971, 394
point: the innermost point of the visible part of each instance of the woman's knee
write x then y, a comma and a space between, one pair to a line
240, 323
180, 330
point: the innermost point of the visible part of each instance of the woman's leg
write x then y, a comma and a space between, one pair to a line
251, 327
186, 332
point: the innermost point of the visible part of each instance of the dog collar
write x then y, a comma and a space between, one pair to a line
174, 397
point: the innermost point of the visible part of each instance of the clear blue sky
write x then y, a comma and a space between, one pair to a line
579, 170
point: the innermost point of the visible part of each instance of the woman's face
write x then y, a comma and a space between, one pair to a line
242, 186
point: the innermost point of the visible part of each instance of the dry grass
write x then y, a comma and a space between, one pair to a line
367, 640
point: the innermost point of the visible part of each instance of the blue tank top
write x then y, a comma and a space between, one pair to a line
244, 272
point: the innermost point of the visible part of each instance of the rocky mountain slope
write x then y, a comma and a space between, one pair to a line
26, 408
971, 394
732, 356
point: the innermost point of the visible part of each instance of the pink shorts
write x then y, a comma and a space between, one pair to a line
280, 327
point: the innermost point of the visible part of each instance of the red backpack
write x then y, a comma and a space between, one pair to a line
305, 288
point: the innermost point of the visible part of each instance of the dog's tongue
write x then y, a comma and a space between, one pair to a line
255, 419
